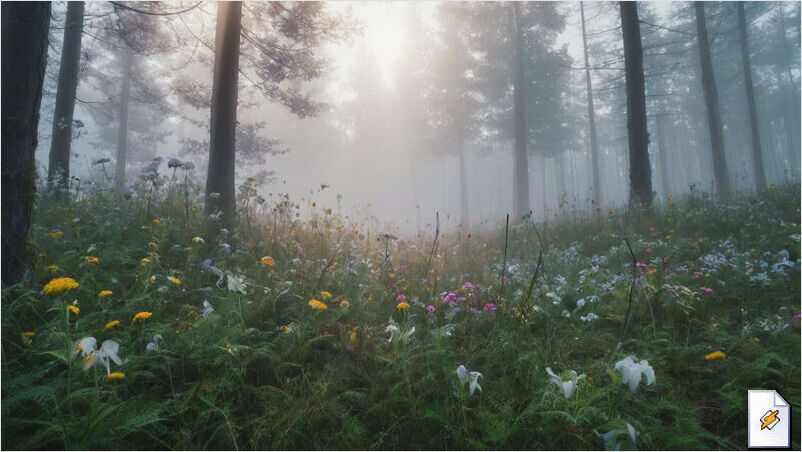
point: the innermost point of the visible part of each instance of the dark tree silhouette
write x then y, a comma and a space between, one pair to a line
757, 151
594, 141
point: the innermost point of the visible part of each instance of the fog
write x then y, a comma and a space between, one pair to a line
380, 139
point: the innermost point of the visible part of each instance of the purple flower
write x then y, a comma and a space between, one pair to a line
401, 298
641, 264
489, 307
468, 285
430, 308
706, 290
475, 310
451, 298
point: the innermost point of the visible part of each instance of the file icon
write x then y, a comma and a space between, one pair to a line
769, 420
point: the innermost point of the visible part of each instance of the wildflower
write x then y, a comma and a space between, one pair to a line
401, 298
589, 318
144, 261
153, 245
651, 271
668, 237
756, 340
568, 387
325, 295
91, 260
112, 324
316, 304
403, 305
612, 213
157, 222
207, 309
105, 293
59, 285
52, 268
26, 337
154, 345
707, 290
75, 310
395, 331
152, 279
108, 351
352, 337
613, 434
641, 264
430, 308
489, 307
345, 304
267, 260
669, 201
56, 235
198, 240
235, 283
465, 375
715, 355
115, 376
175, 281
144, 315
632, 372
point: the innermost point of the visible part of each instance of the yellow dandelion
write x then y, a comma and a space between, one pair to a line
267, 260
116, 376
105, 293
319, 305
153, 245
144, 261
715, 355
198, 240
91, 260
144, 315
157, 222
52, 268
345, 304
325, 295
175, 281
403, 305
29, 334
112, 324
74, 309
668, 237
756, 340
650, 271
56, 235
59, 285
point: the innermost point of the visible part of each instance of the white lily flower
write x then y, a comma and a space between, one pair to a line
395, 331
207, 309
472, 376
610, 437
568, 387
108, 351
632, 371
235, 284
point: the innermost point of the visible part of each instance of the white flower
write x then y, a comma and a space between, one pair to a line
157, 339
395, 331
207, 309
567, 387
631, 372
444, 330
108, 351
471, 376
610, 437
235, 283
589, 318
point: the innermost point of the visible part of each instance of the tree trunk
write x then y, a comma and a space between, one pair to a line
24, 57
640, 173
463, 183
711, 101
122, 131
661, 145
58, 171
757, 152
220, 176
594, 141
520, 175
790, 125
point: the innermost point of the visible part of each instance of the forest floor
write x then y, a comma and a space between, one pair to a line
321, 334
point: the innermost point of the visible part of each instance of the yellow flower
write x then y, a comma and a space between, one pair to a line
112, 324
326, 295
650, 271
59, 285
91, 260
29, 334
756, 340
144, 261
26, 337
198, 240
669, 201
267, 260
175, 281
403, 305
352, 336
142, 316
152, 279
52, 268
104, 293
116, 376
153, 245
315, 304
157, 222
74, 309
56, 235
716, 354
392, 275
612, 213
668, 237
345, 304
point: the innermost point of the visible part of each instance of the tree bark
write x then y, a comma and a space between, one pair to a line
220, 176
594, 141
640, 173
790, 125
520, 175
58, 171
757, 151
711, 102
122, 131
24, 57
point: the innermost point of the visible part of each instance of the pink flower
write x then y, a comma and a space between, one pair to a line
489, 307
641, 265
706, 290
698, 274
651, 229
468, 284
430, 308
648, 250
401, 298
438, 278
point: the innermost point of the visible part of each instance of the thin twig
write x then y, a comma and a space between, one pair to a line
434, 244
631, 288
504, 263
537, 268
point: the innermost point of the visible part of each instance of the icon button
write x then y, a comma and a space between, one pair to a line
769, 420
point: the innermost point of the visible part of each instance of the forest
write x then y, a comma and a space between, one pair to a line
551, 225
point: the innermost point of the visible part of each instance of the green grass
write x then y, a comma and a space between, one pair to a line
266, 371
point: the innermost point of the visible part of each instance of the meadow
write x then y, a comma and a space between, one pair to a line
147, 325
